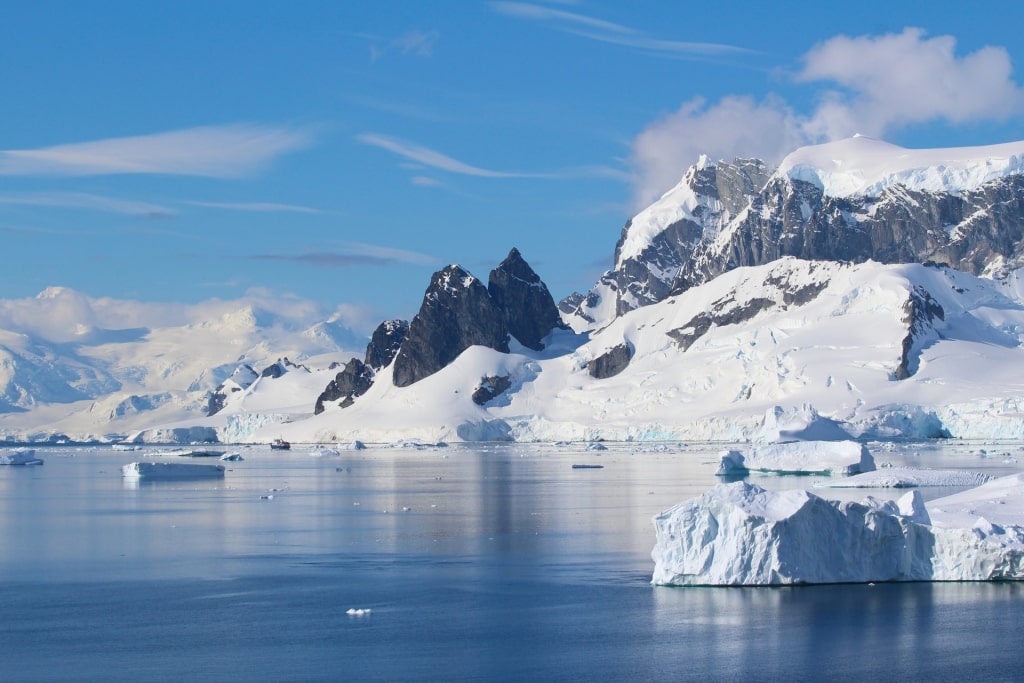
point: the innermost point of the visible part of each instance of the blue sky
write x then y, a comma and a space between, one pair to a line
341, 152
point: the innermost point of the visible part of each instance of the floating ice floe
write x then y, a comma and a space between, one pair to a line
799, 457
353, 612
21, 456
906, 478
170, 470
232, 457
188, 453
742, 534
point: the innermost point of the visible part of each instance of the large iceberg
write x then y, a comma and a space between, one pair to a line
741, 534
170, 470
21, 456
799, 457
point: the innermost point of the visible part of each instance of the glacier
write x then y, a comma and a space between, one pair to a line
740, 534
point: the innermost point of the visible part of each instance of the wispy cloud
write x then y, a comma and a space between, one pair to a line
352, 254
92, 202
268, 207
213, 151
425, 181
611, 32
433, 158
411, 43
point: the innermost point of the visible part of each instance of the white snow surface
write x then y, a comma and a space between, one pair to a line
800, 457
742, 534
862, 165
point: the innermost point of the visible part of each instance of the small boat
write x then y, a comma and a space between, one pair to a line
280, 445
588, 467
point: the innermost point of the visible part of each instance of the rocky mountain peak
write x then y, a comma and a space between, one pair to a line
851, 200
530, 311
457, 312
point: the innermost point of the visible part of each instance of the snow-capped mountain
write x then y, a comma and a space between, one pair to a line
855, 200
876, 289
72, 366
882, 350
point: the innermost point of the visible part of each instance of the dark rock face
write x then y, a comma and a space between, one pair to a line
920, 312
530, 311
385, 342
490, 388
967, 231
352, 382
457, 312
279, 368
611, 362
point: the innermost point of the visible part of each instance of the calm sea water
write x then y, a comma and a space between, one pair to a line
492, 563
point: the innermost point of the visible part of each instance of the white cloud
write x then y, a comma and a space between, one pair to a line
254, 206
82, 200
875, 85
60, 314
900, 79
609, 32
213, 151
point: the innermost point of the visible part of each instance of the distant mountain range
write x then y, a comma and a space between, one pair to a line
859, 282
65, 375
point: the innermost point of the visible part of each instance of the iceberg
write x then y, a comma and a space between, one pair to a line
21, 456
905, 478
168, 470
799, 457
740, 534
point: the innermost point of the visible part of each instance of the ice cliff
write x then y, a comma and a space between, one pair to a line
740, 534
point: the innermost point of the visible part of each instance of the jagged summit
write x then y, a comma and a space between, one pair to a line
856, 199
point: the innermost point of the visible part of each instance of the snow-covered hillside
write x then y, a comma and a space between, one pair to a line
72, 366
711, 362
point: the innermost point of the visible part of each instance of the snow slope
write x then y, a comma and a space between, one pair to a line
865, 166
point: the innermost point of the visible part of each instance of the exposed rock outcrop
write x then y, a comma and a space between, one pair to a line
490, 388
920, 313
611, 362
530, 311
385, 342
457, 312
352, 382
